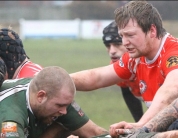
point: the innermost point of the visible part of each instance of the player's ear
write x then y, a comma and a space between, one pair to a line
41, 96
153, 31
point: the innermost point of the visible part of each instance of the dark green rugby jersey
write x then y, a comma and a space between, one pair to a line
14, 108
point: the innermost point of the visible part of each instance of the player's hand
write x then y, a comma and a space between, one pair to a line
140, 133
113, 130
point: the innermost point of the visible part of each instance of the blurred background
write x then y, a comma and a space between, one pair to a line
12, 11
54, 21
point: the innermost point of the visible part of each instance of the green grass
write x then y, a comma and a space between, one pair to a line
104, 106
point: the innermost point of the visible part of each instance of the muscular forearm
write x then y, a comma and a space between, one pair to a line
92, 79
164, 97
149, 114
164, 118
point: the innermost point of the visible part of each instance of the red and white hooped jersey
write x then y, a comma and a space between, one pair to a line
150, 74
28, 69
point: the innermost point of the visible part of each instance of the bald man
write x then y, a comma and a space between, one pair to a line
28, 106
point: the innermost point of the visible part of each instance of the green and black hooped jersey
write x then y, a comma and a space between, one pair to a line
17, 120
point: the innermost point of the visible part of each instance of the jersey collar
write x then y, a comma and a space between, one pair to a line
28, 99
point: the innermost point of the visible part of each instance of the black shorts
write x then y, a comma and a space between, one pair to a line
75, 117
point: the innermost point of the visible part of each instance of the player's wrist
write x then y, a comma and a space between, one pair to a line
144, 128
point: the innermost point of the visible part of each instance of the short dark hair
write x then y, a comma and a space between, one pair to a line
143, 12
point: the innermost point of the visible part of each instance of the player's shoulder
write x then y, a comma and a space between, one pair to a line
13, 92
170, 42
14, 83
32, 65
29, 69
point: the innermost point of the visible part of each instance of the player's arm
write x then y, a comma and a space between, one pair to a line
92, 79
159, 123
167, 93
164, 119
142, 134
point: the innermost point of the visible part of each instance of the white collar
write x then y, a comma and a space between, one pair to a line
159, 51
28, 98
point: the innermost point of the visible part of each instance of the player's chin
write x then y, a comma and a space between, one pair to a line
134, 55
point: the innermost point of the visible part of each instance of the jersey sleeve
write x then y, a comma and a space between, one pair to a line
10, 129
121, 67
120, 84
170, 60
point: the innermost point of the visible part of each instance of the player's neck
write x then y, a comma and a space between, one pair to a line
155, 48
